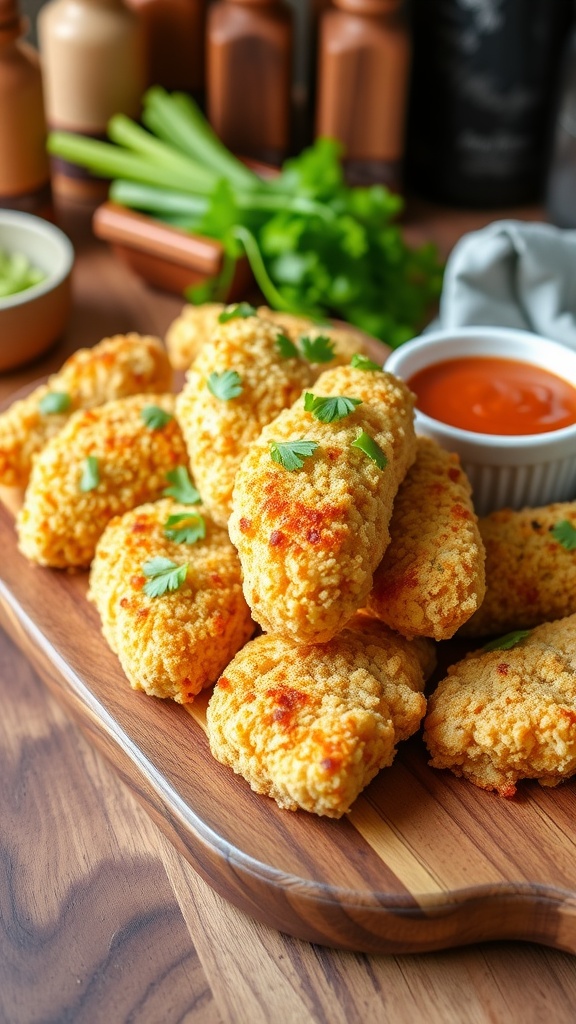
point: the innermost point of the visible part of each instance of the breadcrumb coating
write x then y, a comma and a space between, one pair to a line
217, 432
431, 578
59, 524
530, 576
127, 364
176, 644
194, 325
310, 540
507, 715
311, 726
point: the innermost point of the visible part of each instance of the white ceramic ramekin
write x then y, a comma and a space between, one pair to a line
505, 471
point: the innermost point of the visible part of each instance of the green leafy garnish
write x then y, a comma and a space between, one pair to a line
317, 350
154, 417
181, 487
506, 642
360, 362
330, 409
53, 402
286, 347
163, 576
370, 448
565, 534
90, 477
291, 454
240, 311
185, 527
225, 385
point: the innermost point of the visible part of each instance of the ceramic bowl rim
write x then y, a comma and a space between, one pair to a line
37, 225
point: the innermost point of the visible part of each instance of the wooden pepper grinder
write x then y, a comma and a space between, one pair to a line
363, 69
24, 167
174, 32
249, 79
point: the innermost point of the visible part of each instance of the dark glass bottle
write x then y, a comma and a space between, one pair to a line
561, 179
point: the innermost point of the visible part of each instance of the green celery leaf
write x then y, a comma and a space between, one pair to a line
181, 487
291, 454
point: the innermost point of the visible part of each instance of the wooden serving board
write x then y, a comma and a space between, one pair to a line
424, 861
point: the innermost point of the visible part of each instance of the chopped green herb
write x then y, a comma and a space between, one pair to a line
163, 575
17, 273
181, 487
225, 385
90, 477
506, 642
332, 409
154, 417
291, 454
360, 362
286, 347
241, 312
185, 527
565, 533
370, 448
317, 350
54, 402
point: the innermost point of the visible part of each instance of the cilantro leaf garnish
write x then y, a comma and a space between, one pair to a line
316, 350
506, 642
163, 575
565, 533
360, 362
90, 477
291, 454
286, 347
330, 409
54, 401
185, 527
370, 448
181, 487
225, 385
239, 312
154, 417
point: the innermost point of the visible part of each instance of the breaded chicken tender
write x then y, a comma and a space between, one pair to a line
505, 715
530, 575
175, 644
104, 462
219, 432
311, 726
310, 540
188, 332
127, 364
431, 578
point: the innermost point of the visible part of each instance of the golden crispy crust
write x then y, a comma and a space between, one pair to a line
219, 432
310, 540
501, 716
59, 524
311, 726
126, 364
178, 643
431, 578
530, 576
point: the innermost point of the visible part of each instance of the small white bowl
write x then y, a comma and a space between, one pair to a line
504, 470
31, 320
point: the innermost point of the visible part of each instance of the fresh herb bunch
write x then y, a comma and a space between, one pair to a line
316, 246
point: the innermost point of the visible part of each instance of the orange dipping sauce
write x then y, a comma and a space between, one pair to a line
488, 395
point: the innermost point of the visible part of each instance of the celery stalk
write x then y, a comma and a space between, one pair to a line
157, 200
127, 133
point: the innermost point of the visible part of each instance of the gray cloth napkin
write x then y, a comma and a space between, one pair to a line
512, 274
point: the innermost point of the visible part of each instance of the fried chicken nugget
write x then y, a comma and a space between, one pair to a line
530, 576
104, 462
431, 578
175, 644
312, 726
310, 540
127, 364
218, 432
504, 715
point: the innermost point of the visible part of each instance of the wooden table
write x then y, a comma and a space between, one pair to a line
101, 920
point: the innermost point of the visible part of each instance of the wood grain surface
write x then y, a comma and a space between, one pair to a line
101, 919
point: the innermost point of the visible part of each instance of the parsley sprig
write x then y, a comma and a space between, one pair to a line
154, 417
360, 362
329, 409
54, 402
163, 576
565, 533
286, 347
90, 477
371, 448
316, 350
239, 312
506, 642
185, 527
291, 454
225, 385
181, 487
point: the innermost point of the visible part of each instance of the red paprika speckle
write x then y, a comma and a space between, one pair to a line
124, 602
313, 536
224, 683
502, 668
570, 715
459, 512
508, 791
137, 582
330, 764
288, 703
139, 527
143, 612
454, 473
245, 525
277, 538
